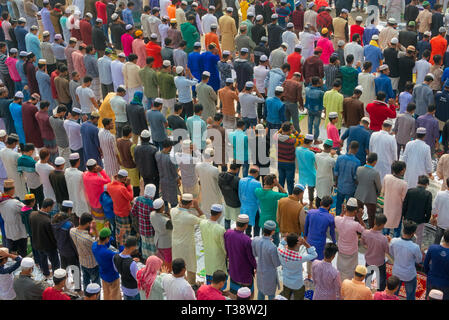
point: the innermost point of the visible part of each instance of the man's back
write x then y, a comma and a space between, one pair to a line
26, 288
405, 254
355, 290
177, 288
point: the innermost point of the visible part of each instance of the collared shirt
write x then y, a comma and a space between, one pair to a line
422, 68
422, 96
241, 259
73, 130
404, 99
58, 51
90, 63
180, 58
326, 279
184, 87
104, 70
141, 210
118, 105
405, 254
248, 104
347, 228
377, 247
214, 250
177, 288
429, 122
346, 171
83, 242
314, 98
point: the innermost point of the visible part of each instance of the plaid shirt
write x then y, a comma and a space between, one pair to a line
142, 209
289, 255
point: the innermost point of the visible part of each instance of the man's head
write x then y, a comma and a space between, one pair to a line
409, 228
367, 66
360, 272
423, 181
354, 147
393, 283
371, 159
216, 211
387, 125
379, 221
47, 205
330, 250
179, 267
131, 245
85, 221
326, 202
108, 124
428, 78
242, 222
398, 168
218, 279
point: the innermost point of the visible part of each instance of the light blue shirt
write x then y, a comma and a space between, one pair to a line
58, 51
249, 201
275, 110
239, 142
306, 166
373, 54
104, 69
33, 45
43, 80
128, 16
19, 67
184, 87
194, 123
405, 254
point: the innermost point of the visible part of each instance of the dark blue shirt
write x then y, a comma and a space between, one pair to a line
383, 83
20, 33
346, 171
315, 229
421, 47
104, 257
436, 266
361, 135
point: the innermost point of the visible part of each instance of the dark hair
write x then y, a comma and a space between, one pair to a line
89, 49
132, 57
380, 219
240, 123
27, 147
393, 282
177, 265
409, 227
411, 107
44, 104
337, 83
167, 41
151, 59
197, 108
330, 250
190, 17
437, 58
420, 135
85, 218
57, 281
266, 232
285, 66
326, 201
431, 108
354, 145
397, 166
241, 224
61, 108
292, 239
131, 241
218, 276
178, 106
371, 157
86, 80
446, 235
182, 43
367, 64
315, 80
47, 203
350, 57
73, 162
62, 68
423, 179
332, 59
426, 53
235, 166
297, 191
130, 4
218, 116
381, 96
121, 89
428, 78
126, 130
355, 36
268, 180
44, 153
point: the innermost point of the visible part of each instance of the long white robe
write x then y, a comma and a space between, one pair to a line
384, 145
418, 159
183, 235
307, 40
325, 164
366, 80
75, 187
291, 39
117, 73
210, 192
9, 158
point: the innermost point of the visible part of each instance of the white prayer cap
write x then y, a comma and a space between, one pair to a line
179, 69
243, 218
59, 161
274, 16
284, 44
129, 27
229, 80
360, 88
60, 273
264, 39
366, 119
206, 73
153, 36
244, 50
436, 294
46, 33
260, 126
99, 20
263, 58
229, 9
186, 143
46, 2
91, 162
213, 26
27, 263
67, 203
158, 203
290, 25
68, 10
74, 156
216, 207
310, 5
392, 21
121, 55
73, 39
166, 63
421, 130
298, 46
122, 173
279, 89
442, 29
23, 53
197, 44
114, 16
150, 190
159, 100
279, 297
428, 33
250, 14
89, 15
259, 17
244, 292
184, 2
359, 18
430, 75
34, 28
2, 133
341, 43
22, 19
194, 4
209, 152
309, 136
93, 288
344, 11
211, 8
375, 37
383, 67
394, 41
145, 133
187, 197
19, 94
388, 123
333, 115
249, 84
42, 61
77, 110
226, 52
352, 202
58, 36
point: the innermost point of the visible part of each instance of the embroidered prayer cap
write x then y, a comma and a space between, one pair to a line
59, 273
244, 292
269, 225
300, 186
352, 202
243, 218
91, 162
216, 207
309, 136
187, 197
263, 58
27, 263
93, 288
421, 130
59, 161
333, 115
145, 134
329, 142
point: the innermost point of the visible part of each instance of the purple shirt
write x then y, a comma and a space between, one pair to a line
404, 99
429, 122
326, 279
377, 247
240, 254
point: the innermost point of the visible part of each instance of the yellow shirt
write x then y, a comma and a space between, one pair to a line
333, 102
244, 5
106, 111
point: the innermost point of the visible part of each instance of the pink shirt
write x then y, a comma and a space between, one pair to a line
11, 63
347, 228
377, 247
326, 279
328, 49
94, 186
384, 296
332, 133
127, 42
395, 190
138, 47
78, 63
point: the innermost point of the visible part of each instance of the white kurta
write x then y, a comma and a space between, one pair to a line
207, 20
384, 145
324, 173
75, 187
117, 73
183, 236
418, 159
307, 40
366, 80
291, 39
9, 158
210, 192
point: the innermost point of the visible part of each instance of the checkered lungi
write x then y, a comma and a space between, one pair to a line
122, 223
148, 246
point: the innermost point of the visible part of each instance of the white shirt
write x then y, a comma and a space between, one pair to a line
307, 40
384, 144
117, 73
356, 50
3, 174
10, 212
75, 187
291, 39
260, 73
441, 207
73, 130
177, 288
164, 5
44, 169
84, 96
207, 20
418, 159
163, 28
421, 68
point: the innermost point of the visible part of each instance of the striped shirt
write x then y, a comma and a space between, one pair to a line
108, 145
83, 243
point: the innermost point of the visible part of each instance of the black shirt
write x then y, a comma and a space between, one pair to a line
98, 39
437, 22
405, 65
145, 160
59, 185
274, 36
391, 59
257, 32
408, 38
244, 71
417, 205
117, 30
411, 13
6, 115
176, 122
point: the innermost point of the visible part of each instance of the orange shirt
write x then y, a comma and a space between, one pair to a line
355, 290
439, 45
154, 50
227, 97
171, 11
212, 38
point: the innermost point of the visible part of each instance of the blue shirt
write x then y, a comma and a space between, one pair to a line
361, 135
445, 75
104, 70
442, 105
373, 54
275, 110
421, 46
282, 14
107, 205
383, 83
436, 266
19, 67
239, 142
314, 99
404, 99
33, 45
16, 113
184, 88
91, 143
315, 229
58, 51
306, 166
43, 80
346, 171
20, 33
194, 123
249, 201
127, 15
194, 63
104, 257
368, 33
405, 254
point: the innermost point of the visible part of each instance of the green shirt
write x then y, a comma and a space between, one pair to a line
149, 80
333, 102
350, 80
249, 25
212, 234
166, 83
268, 203
190, 35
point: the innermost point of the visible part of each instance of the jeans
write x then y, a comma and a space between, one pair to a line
119, 128
361, 5
90, 275
261, 296
396, 231
249, 122
149, 104
287, 172
314, 123
136, 297
292, 114
46, 255
410, 288
254, 228
340, 198
438, 235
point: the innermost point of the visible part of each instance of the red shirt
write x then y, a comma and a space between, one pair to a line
207, 292
121, 198
294, 60
53, 75
378, 112
101, 11
355, 28
154, 50
86, 32
51, 293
